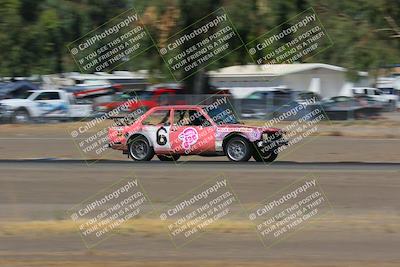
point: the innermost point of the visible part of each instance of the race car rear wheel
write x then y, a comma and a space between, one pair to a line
140, 149
238, 149
266, 158
168, 157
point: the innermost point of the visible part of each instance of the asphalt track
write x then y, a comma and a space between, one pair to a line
363, 229
322, 148
221, 163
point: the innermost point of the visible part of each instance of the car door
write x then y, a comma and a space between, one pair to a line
80, 108
50, 104
156, 127
191, 132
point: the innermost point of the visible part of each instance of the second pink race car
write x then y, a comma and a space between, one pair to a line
173, 131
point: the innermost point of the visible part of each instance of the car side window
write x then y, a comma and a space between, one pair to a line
190, 117
48, 96
158, 117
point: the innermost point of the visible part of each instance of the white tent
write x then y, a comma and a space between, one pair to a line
347, 90
315, 86
323, 79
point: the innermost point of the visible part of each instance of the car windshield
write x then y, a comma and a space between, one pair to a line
221, 115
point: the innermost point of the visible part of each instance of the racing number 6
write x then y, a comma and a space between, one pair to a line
161, 137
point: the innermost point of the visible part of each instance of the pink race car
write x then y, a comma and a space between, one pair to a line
173, 131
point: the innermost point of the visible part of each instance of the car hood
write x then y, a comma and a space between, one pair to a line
15, 102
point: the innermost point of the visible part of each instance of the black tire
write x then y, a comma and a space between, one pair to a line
238, 149
264, 158
21, 116
174, 157
139, 149
257, 156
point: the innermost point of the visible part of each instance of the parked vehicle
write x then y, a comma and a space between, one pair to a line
145, 100
173, 131
304, 97
43, 104
260, 104
390, 86
127, 80
16, 89
344, 107
389, 101
93, 91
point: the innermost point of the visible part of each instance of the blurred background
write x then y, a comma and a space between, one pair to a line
356, 77
44, 96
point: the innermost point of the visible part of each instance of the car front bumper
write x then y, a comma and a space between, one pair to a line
5, 114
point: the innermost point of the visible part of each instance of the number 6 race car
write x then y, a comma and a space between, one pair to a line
172, 131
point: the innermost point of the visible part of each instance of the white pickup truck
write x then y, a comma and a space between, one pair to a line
43, 104
390, 86
389, 101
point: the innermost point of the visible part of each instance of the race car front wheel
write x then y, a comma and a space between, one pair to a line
140, 149
266, 158
238, 149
